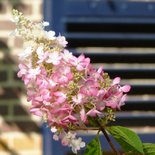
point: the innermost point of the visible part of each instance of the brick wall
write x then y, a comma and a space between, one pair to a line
19, 131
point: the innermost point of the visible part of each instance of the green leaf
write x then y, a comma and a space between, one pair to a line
92, 121
128, 139
149, 148
94, 147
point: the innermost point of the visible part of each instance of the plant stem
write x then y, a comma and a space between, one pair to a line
88, 128
108, 139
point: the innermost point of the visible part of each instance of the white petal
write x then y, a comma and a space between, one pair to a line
45, 23
74, 150
13, 33
26, 53
50, 35
53, 129
15, 19
40, 51
82, 144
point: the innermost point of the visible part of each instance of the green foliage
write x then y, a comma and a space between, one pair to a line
149, 148
92, 121
128, 140
94, 147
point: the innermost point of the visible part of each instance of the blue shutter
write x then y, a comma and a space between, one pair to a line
112, 23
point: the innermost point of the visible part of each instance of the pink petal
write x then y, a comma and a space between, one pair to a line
83, 90
36, 111
100, 70
116, 81
69, 76
123, 99
93, 91
100, 106
87, 60
56, 137
64, 142
69, 118
81, 57
126, 88
83, 115
93, 112
111, 104
77, 99
79, 67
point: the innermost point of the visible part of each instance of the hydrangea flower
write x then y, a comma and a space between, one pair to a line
66, 91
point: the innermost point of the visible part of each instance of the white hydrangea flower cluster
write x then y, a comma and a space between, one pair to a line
69, 139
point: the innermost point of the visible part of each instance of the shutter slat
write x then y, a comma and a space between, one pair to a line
122, 57
106, 36
130, 73
139, 105
142, 89
121, 24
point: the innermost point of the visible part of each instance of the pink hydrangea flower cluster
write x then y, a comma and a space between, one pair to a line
66, 91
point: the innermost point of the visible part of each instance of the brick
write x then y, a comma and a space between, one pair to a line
1, 91
3, 110
9, 127
2, 8
8, 59
23, 143
18, 143
19, 110
24, 126
3, 76
10, 93
24, 8
38, 141
3, 44
3, 144
18, 43
5, 153
15, 77
7, 25
41, 9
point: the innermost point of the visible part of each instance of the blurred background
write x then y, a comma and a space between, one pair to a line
117, 33
19, 131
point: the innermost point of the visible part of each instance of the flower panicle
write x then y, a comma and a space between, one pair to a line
65, 90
